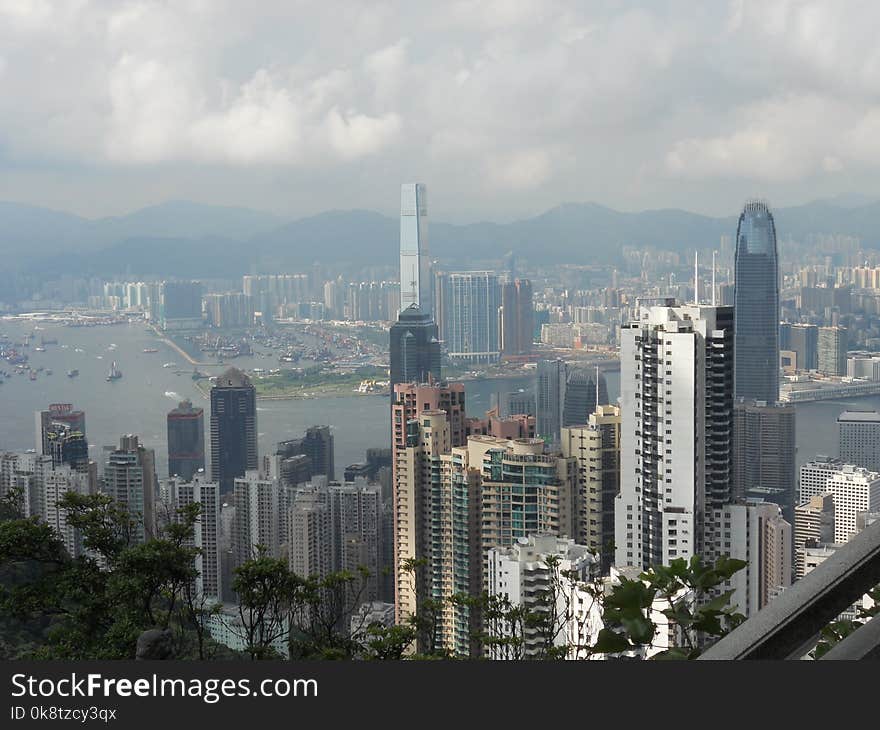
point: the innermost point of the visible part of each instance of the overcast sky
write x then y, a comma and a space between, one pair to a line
503, 109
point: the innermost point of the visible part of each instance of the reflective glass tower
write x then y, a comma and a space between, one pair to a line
415, 265
756, 306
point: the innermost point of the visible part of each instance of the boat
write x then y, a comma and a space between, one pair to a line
169, 365
72, 373
114, 374
39, 348
32, 374
48, 371
150, 349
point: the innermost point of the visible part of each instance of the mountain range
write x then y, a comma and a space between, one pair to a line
191, 239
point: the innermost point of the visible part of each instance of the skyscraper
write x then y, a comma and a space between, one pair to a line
764, 452
58, 413
233, 428
179, 493
756, 305
471, 300
584, 391
414, 339
833, 344
415, 263
181, 305
130, 478
416, 451
186, 441
517, 317
676, 403
318, 446
415, 348
550, 398
596, 447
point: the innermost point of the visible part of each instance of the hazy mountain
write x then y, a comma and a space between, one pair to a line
29, 231
199, 240
184, 219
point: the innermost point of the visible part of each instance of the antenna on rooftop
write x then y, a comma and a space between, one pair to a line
713, 277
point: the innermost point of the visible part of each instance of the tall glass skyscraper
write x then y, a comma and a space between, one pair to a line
756, 306
233, 428
415, 264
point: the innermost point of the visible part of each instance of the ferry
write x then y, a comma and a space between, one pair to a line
114, 374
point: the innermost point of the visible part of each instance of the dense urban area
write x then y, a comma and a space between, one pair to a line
632, 483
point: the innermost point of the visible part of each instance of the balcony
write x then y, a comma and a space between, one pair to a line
789, 626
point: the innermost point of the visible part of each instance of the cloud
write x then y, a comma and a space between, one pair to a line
632, 104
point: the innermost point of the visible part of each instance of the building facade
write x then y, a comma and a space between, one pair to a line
764, 452
858, 435
415, 261
186, 441
470, 321
676, 407
233, 428
596, 447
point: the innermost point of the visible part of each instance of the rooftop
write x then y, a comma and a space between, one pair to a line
859, 416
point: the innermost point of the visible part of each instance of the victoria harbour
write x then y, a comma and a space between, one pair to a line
358, 421
139, 401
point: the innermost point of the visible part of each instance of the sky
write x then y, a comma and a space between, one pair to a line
504, 108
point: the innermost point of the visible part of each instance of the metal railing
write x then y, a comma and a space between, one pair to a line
788, 627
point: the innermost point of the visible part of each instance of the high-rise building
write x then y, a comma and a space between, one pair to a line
179, 493
258, 516
66, 445
596, 447
457, 502
318, 446
764, 452
520, 572
676, 403
181, 305
759, 535
550, 382
756, 305
858, 435
833, 344
803, 339
585, 390
229, 310
130, 478
310, 546
233, 428
853, 489
356, 532
517, 317
416, 451
57, 482
470, 302
415, 348
186, 441
415, 261
58, 413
